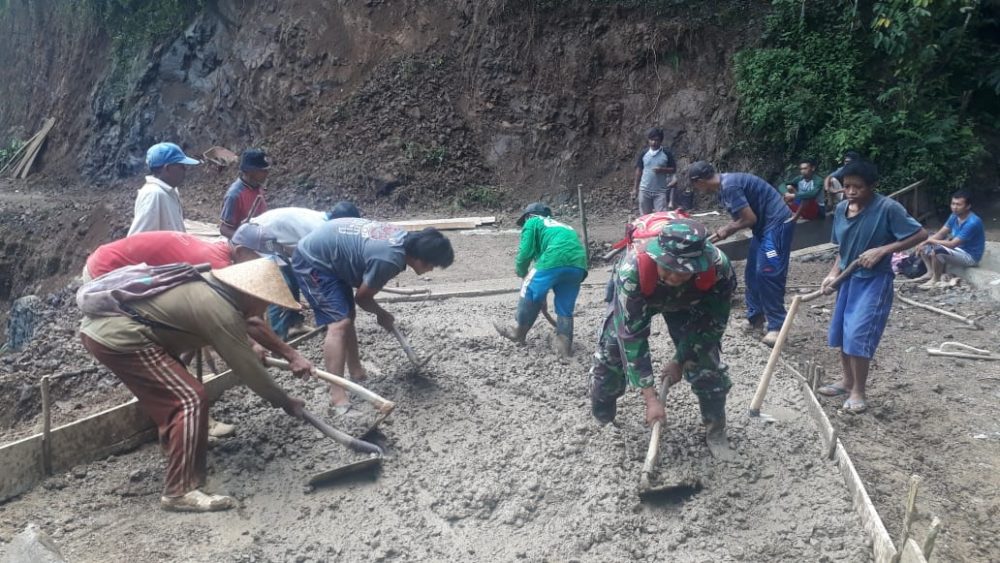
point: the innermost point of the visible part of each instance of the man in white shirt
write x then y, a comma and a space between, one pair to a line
158, 203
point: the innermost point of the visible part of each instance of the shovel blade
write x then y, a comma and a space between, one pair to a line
336, 473
671, 492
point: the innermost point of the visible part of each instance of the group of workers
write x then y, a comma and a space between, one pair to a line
340, 261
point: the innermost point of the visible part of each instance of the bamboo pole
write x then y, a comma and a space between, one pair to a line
933, 309
583, 223
911, 509
831, 446
932, 533
46, 426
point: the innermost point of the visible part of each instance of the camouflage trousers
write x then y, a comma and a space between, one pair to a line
697, 337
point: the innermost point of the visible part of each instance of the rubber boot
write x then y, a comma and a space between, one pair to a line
604, 411
713, 416
564, 336
527, 312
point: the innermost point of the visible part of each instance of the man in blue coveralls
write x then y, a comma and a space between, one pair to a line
755, 204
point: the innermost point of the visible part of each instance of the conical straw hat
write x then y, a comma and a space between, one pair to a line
260, 278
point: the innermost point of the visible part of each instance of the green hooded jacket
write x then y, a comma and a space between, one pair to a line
550, 244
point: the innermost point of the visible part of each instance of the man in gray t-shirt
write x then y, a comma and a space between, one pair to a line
346, 254
654, 175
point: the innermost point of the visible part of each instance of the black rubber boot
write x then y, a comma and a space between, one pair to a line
713, 416
604, 411
564, 336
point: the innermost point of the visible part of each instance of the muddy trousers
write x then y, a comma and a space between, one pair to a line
697, 340
176, 402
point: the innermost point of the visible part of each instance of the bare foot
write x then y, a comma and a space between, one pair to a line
358, 374
338, 397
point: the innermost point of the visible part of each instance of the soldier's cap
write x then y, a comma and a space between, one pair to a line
682, 246
537, 208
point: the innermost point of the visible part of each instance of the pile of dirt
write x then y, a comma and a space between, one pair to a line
493, 456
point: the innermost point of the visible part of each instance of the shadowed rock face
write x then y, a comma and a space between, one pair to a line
22, 322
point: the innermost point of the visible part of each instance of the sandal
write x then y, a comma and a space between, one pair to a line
855, 406
832, 390
197, 501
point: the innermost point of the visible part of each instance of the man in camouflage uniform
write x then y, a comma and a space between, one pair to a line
692, 287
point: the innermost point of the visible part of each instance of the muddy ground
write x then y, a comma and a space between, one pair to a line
494, 456
495, 451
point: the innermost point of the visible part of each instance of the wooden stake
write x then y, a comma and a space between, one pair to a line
46, 427
199, 368
818, 376
583, 223
911, 508
932, 533
831, 446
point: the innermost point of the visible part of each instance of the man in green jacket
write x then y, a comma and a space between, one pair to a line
804, 193
560, 265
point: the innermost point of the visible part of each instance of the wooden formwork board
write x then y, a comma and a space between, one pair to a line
97, 436
912, 553
882, 545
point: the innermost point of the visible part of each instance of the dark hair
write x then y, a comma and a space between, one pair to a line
863, 169
343, 209
809, 161
853, 155
430, 246
655, 133
963, 194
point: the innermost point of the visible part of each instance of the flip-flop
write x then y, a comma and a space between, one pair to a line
855, 406
832, 390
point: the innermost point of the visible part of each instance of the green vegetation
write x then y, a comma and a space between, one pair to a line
905, 82
8, 150
424, 156
479, 196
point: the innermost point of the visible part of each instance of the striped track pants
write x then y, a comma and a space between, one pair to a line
176, 402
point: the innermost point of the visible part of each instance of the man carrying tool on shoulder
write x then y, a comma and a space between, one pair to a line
867, 227
560, 265
755, 204
141, 347
682, 276
347, 254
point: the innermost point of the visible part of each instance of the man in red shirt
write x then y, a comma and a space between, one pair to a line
245, 197
157, 248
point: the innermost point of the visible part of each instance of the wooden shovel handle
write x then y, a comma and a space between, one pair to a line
836, 282
406, 346
654, 439
340, 437
383, 405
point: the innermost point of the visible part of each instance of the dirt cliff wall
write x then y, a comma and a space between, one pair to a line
454, 98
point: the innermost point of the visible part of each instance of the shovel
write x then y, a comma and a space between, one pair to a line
414, 359
375, 460
672, 489
382, 405
772, 360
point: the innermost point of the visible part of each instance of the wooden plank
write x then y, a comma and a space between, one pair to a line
14, 157
881, 542
882, 545
29, 156
445, 224
97, 436
912, 553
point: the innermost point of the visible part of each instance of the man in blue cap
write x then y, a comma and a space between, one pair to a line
158, 203
245, 197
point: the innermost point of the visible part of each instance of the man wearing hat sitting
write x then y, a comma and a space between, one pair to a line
158, 203
347, 254
287, 226
682, 276
560, 265
141, 349
245, 197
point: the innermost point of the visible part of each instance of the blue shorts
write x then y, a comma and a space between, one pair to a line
863, 306
563, 281
331, 298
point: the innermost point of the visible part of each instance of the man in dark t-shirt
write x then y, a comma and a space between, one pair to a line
754, 203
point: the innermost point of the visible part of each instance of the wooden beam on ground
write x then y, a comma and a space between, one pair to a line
445, 224
882, 545
14, 157
94, 437
912, 553
24, 167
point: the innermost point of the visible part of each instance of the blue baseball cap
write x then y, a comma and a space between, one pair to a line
162, 154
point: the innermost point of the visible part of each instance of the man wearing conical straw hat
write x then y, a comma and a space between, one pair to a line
141, 347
